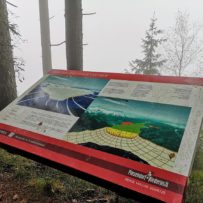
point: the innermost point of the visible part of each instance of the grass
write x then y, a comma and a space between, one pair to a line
195, 190
43, 182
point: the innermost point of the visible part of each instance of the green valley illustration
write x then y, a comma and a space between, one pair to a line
143, 131
147, 132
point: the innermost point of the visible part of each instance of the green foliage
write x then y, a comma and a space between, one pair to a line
18, 165
16, 39
195, 188
151, 61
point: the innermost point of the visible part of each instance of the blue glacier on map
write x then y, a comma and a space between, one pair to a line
65, 95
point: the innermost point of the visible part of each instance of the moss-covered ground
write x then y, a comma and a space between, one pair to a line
194, 192
30, 182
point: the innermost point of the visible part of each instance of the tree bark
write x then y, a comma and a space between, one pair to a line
45, 36
74, 36
7, 73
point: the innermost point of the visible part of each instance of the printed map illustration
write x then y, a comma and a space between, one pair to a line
66, 95
144, 131
147, 132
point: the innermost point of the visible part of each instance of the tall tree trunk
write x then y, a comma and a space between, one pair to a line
74, 36
7, 73
45, 36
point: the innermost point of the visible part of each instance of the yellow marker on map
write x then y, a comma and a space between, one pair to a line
120, 133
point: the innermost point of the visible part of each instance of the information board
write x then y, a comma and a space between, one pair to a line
138, 132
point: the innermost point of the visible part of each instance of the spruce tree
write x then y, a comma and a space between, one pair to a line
151, 62
7, 73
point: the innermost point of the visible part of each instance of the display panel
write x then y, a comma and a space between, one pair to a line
138, 132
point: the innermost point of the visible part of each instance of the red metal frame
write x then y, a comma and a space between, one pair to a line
130, 77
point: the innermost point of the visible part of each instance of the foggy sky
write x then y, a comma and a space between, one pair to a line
113, 35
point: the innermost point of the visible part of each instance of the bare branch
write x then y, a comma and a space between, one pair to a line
51, 17
59, 44
183, 47
11, 4
88, 14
